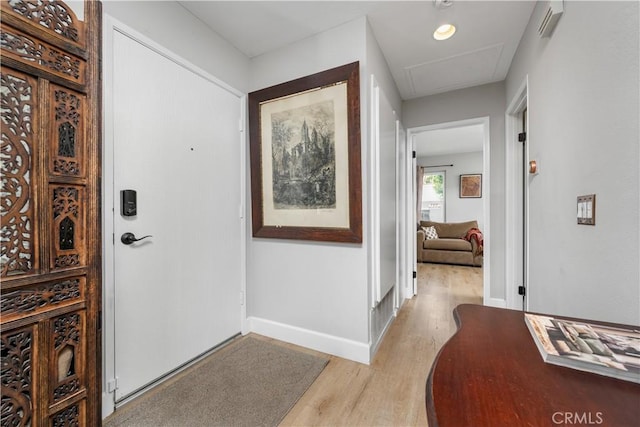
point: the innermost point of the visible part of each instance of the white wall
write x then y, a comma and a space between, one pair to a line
459, 209
175, 28
308, 289
377, 65
583, 131
480, 101
310, 293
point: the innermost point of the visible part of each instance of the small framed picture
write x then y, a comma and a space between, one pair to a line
471, 186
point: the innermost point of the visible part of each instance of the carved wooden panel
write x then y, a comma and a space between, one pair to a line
41, 297
34, 52
18, 404
73, 416
51, 15
67, 244
18, 110
50, 232
67, 135
66, 356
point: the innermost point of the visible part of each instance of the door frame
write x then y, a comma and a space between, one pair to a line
110, 26
486, 199
513, 168
404, 269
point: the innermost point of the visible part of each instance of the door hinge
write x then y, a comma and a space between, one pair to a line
522, 291
241, 298
112, 385
414, 154
241, 125
415, 274
113, 238
522, 137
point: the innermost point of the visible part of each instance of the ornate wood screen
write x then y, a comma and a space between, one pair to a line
50, 234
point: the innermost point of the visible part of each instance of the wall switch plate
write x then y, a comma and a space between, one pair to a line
587, 209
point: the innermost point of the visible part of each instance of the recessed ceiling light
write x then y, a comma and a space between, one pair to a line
444, 32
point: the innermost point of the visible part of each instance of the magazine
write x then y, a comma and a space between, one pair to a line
604, 350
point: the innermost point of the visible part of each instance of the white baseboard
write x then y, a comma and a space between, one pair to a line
107, 404
496, 302
374, 348
336, 346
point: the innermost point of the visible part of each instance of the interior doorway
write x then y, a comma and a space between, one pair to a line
416, 137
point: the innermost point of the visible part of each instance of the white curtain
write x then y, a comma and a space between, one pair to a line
419, 185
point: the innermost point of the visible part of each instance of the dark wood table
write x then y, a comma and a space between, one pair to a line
490, 373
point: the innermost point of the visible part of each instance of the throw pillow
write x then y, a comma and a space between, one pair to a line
430, 232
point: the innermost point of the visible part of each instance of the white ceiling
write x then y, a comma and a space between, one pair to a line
480, 52
465, 139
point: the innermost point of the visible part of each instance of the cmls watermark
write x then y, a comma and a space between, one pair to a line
577, 418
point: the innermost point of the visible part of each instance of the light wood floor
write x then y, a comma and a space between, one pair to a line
391, 391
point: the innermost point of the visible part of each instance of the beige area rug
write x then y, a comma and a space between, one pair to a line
250, 383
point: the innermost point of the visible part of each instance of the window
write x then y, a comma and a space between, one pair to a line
433, 197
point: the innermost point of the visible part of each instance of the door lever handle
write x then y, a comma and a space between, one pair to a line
129, 238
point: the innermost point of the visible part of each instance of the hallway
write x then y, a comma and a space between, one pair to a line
391, 390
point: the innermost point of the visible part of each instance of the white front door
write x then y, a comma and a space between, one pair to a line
177, 143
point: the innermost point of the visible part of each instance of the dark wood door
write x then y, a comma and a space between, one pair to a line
50, 234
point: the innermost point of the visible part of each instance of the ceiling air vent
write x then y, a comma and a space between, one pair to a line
550, 18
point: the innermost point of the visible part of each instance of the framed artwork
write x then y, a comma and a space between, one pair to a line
306, 180
471, 185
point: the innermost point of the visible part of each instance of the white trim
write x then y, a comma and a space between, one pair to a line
399, 222
168, 54
108, 308
111, 25
495, 302
486, 206
374, 348
374, 191
405, 269
486, 203
450, 125
336, 346
412, 285
519, 102
244, 213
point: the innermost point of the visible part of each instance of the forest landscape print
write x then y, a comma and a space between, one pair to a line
306, 180
303, 157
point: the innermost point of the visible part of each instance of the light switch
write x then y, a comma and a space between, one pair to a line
587, 209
